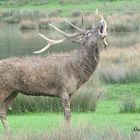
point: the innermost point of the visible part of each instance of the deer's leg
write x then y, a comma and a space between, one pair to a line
65, 100
3, 109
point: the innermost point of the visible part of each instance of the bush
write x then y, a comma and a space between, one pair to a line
76, 13
35, 104
86, 100
55, 13
27, 25
43, 24
122, 27
120, 65
128, 105
124, 23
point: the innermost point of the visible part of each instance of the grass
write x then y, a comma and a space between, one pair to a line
128, 105
117, 91
107, 114
120, 65
121, 16
105, 6
116, 23
84, 132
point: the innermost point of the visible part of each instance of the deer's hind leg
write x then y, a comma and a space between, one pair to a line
5, 101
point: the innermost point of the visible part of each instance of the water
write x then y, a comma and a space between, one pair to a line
14, 42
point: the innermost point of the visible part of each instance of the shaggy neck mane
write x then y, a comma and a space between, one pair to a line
86, 60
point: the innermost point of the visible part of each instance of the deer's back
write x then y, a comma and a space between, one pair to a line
34, 75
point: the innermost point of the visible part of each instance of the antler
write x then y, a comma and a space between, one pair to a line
69, 36
50, 43
102, 21
66, 35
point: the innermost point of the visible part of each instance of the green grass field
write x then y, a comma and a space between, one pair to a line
106, 114
106, 7
117, 91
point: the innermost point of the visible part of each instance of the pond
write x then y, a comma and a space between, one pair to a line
14, 42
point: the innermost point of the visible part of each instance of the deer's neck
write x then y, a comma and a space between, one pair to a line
86, 60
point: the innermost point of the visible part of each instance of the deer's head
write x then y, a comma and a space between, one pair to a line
94, 37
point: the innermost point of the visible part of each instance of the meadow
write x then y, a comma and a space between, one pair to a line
121, 15
108, 106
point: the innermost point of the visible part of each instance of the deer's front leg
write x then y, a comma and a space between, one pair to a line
65, 100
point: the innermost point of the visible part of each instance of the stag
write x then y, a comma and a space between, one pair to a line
53, 75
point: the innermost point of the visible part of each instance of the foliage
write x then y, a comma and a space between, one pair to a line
120, 65
128, 104
28, 24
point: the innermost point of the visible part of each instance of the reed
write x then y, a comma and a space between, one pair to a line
81, 132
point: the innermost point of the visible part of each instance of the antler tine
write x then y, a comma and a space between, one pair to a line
42, 50
74, 26
50, 43
105, 27
63, 33
102, 20
97, 11
67, 36
83, 21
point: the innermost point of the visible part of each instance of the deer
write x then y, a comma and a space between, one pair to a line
53, 75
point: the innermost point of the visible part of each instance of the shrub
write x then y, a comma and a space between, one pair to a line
86, 100
43, 24
120, 65
128, 105
55, 13
76, 13
35, 104
123, 23
11, 20
27, 24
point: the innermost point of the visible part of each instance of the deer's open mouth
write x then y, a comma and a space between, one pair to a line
101, 29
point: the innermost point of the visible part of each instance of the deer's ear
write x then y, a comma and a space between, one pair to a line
98, 28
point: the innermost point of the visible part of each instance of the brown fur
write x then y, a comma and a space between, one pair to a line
54, 75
